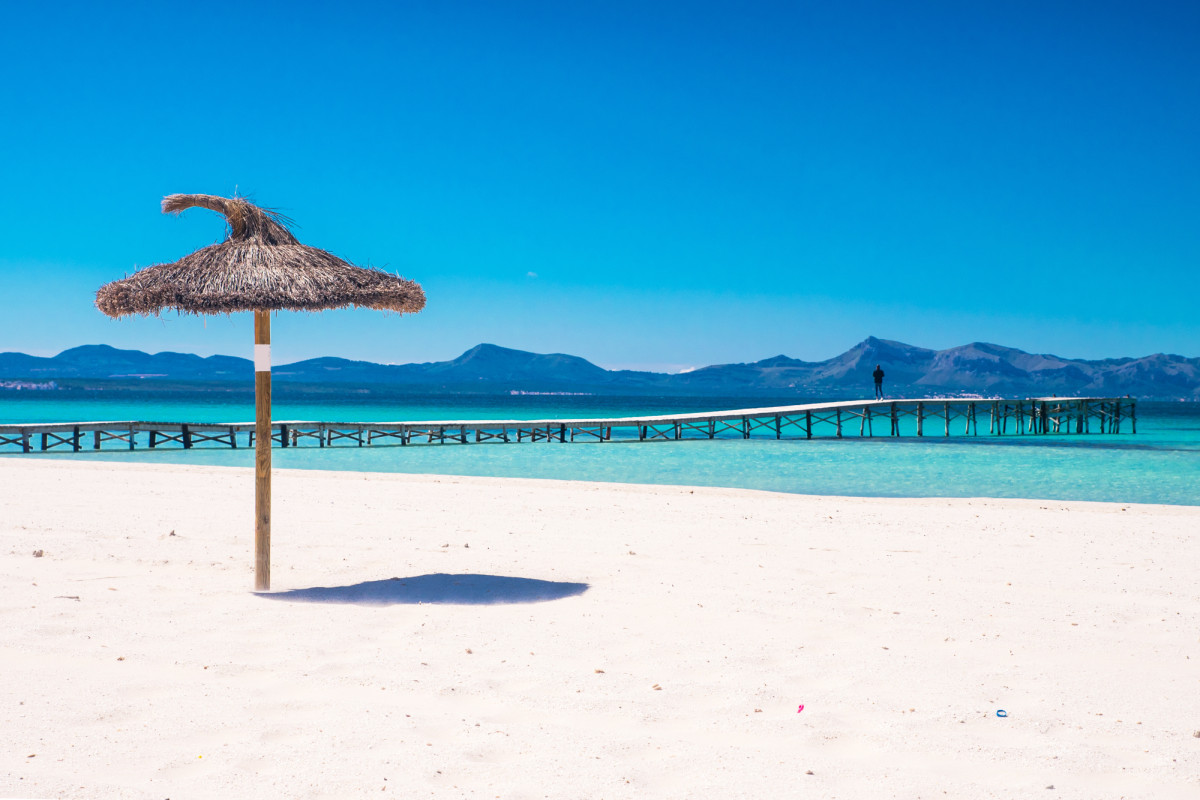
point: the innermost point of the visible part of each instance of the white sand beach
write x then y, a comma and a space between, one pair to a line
529, 639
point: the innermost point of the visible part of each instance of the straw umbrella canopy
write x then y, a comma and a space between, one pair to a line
260, 267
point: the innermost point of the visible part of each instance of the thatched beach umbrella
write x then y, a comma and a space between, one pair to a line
260, 267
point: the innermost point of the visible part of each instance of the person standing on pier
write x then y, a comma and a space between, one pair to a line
878, 376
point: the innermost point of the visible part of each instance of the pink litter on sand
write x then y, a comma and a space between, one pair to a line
801, 708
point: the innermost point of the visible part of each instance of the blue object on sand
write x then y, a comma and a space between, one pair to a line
1002, 713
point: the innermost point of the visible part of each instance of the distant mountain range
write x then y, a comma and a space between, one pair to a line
978, 368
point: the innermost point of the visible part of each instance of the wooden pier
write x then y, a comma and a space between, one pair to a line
866, 418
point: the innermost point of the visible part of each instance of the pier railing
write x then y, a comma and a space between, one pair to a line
865, 418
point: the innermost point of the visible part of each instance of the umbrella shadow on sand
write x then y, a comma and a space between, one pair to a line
464, 589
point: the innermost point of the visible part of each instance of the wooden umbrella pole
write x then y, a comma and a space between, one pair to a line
262, 459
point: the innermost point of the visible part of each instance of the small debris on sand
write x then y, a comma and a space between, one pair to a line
39, 553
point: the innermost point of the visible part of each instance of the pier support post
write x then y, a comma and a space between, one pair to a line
187, 437
839, 422
946, 412
808, 424
75, 438
920, 419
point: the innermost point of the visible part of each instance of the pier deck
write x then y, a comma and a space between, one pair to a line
933, 416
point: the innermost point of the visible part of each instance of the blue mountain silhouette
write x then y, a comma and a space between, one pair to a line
978, 367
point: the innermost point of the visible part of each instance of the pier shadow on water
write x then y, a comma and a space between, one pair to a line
442, 588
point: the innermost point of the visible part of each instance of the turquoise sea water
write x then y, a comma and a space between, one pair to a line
1160, 464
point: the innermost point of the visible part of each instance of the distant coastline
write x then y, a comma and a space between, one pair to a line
520, 393
29, 386
973, 370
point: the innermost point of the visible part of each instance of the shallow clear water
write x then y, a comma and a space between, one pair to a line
1160, 464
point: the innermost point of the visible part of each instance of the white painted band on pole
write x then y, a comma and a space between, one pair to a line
262, 358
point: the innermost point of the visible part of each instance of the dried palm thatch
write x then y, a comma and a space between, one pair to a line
259, 267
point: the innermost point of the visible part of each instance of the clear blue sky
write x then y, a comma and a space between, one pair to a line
643, 184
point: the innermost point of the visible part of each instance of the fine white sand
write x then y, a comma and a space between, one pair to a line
640, 642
